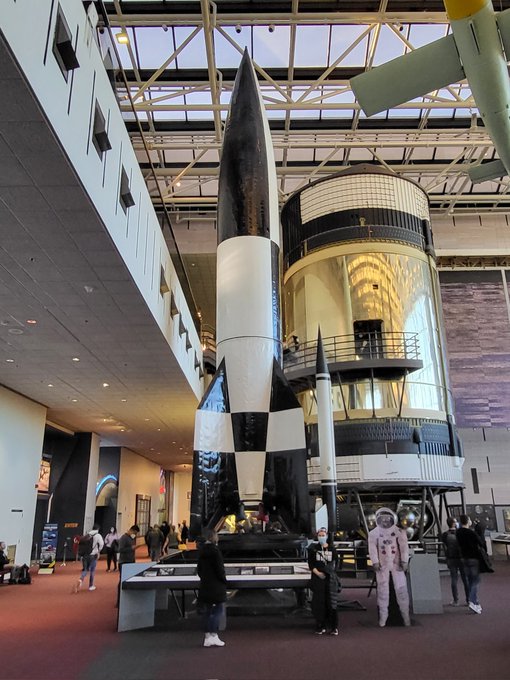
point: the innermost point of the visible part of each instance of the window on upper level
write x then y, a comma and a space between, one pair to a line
126, 199
63, 47
99, 134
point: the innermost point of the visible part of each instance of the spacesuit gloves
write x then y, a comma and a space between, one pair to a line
376, 566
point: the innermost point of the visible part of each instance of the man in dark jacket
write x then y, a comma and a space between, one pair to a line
212, 593
453, 561
127, 545
469, 545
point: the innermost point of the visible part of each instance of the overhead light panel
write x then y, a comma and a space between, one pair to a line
122, 38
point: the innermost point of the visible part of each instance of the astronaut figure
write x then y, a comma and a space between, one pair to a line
389, 553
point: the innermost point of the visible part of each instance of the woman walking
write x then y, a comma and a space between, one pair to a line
111, 543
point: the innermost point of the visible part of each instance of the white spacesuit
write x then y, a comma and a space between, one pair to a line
389, 553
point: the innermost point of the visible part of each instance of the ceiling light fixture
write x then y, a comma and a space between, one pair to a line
123, 399
76, 358
122, 38
122, 430
10, 361
50, 385
31, 321
177, 184
106, 384
74, 401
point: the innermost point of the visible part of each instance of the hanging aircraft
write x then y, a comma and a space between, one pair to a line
477, 49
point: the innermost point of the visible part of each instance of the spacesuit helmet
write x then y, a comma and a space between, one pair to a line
385, 518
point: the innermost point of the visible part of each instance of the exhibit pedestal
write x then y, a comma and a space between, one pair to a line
425, 585
136, 607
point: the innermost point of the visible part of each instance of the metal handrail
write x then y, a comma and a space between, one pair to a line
367, 346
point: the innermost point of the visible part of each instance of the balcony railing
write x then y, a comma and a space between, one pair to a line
357, 356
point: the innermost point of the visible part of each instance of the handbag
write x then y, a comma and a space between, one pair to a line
484, 561
223, 618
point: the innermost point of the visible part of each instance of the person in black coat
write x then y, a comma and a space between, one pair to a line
469, 545
212, 593
127, 545
322, 560
184, 532
454, 562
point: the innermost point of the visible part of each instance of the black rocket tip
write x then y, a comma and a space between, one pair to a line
244, 198
321, 365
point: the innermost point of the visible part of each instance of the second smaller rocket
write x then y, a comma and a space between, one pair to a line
325, 426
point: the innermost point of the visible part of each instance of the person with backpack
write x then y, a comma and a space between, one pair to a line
89, 548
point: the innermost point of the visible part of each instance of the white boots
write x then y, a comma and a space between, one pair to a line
212, 640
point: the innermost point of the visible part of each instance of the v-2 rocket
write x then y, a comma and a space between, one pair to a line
249, 427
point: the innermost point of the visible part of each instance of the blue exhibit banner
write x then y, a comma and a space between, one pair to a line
49, 544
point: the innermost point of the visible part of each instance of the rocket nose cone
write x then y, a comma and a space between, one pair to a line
321, 365
243, 193
245, 90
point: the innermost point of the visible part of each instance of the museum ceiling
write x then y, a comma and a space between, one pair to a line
180, 62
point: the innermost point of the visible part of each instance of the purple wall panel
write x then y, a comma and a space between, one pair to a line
478, 340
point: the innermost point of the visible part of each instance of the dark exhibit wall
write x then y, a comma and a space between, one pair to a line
70, 457
476, 319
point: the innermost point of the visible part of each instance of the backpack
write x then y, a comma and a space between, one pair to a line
85, 545
24, 577
20, 574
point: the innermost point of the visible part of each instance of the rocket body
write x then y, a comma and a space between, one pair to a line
249, 428
326, 435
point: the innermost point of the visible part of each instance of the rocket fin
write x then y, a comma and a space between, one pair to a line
213, 422
486, 171
216, 396
285, 427
282, 396
416, 73
503, 22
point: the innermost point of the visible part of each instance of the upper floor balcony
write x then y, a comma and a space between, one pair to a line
355, 357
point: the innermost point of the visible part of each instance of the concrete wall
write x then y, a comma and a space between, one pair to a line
181, 505
69, 106
486, 474
137, 476
21, 438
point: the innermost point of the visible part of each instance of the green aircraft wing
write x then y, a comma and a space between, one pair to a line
415, 74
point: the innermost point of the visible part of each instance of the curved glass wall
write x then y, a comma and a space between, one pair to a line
338, 287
